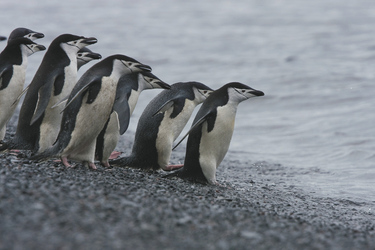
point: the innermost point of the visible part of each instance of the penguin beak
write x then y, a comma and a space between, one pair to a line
144, 67
164, 85
37, 35
94, 56
2, 38
90, 40
41, 47
256, 92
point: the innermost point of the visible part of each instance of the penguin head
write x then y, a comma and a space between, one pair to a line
72, 43
201, 91
27, 46
238, 92
85, 55
147, 80
24, 32
129, 65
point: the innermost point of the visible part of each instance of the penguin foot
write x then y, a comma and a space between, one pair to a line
173, 167
105, 164
65, 162
92, 166
114, 155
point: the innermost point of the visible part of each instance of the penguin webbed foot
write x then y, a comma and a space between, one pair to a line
106, 164
173, 167
92, 165
114, 155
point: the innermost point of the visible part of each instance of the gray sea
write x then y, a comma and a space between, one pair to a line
315, 61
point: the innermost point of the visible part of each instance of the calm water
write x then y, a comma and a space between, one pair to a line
315, 60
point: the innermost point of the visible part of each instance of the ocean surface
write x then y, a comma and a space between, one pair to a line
315, 61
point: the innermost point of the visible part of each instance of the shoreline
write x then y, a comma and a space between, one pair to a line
47, 205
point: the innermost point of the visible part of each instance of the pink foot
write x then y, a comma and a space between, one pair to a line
173, 167
92, 166
114, 155
106, 164
65, 162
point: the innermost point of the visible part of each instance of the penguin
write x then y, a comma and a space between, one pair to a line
85, 55
88, 108
38, 123
128, 90
161, 123
211, 132
13, 64
24, 32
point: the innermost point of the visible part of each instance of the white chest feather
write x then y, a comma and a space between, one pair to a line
9, 94
52, 116
170, 129
133, 99
214, 144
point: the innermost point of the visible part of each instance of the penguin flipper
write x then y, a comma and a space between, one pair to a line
121, 107
63, 101
169, 104
176, 103
44, 94
19, 97
5, 76
80, 91
196, 124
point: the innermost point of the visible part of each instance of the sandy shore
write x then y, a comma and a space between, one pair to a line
47, 206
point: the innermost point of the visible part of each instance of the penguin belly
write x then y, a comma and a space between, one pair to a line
111, 137
50, 125
170, 129
9, 95
214, 144
90, 120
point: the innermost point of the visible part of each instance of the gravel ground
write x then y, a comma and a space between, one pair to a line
47, 206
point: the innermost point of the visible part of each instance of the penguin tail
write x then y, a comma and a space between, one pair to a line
184, 174
128, 161
7, 145
176, 173
44, 156
132, 162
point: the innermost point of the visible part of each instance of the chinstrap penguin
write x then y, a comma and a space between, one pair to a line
128, 90
88, 108
161, 123
38, 123
211, 132
13, 64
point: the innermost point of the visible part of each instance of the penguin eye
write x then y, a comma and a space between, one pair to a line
79, 54
243, 91
205, 92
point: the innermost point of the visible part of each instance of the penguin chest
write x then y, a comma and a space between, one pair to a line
53, 115
133, 99
92, 116
170, 129
9, 94
215, 143
174, 126
15, 86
